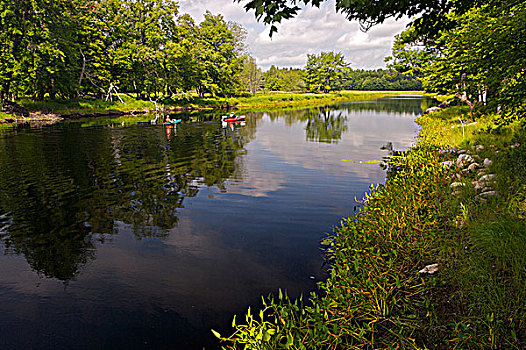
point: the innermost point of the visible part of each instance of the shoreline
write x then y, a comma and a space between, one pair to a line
268, 101
444, 235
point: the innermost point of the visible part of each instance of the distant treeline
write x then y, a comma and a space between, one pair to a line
293, 79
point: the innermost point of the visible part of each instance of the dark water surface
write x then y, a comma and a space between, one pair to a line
134, 236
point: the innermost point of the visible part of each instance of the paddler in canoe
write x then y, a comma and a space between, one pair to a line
168, 120
232, 118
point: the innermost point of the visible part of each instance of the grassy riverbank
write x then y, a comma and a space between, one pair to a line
254, 102
378, 294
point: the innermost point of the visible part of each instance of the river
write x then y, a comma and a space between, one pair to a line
120, 233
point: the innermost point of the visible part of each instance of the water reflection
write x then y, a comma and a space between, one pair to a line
62, 186
160, 236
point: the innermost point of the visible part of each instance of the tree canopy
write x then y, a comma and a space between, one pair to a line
80, 48
325, 72
480, 60
368, 13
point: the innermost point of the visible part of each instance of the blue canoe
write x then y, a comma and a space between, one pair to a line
173, 122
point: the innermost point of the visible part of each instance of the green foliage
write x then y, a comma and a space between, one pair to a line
284, 79
482, 55
374, 296
325, 72
251, 76
74, 49
479, 59
409, 56
380, 79
368, 13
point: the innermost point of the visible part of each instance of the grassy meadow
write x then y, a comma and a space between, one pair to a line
258, 101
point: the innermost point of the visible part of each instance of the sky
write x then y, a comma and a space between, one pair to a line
312, 31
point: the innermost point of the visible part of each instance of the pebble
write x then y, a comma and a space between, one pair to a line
477, 185
488, 194
457, 184
429, 269
488, 162
473, 167
480, 148
463, 160
488, 178
445, 151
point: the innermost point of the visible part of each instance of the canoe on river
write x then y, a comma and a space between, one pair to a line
173, 122
232, 119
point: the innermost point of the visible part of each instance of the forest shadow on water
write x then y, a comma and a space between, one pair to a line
124, 233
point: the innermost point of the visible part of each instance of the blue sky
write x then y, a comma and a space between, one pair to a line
313, 30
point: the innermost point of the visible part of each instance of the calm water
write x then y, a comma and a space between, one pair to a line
135, 236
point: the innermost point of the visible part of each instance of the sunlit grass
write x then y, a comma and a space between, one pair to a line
375, 297
258, 101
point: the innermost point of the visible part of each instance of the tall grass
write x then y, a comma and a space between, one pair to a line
375, 297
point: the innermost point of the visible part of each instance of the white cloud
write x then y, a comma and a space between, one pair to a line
313, 30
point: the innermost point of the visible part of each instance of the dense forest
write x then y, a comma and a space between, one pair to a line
316, 77
73, 49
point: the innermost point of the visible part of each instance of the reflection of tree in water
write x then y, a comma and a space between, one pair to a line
326, 126
408, 105
61, 189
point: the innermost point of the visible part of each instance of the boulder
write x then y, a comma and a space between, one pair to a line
478, 185
488, 162
432, 109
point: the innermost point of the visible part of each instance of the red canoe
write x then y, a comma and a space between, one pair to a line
234, 119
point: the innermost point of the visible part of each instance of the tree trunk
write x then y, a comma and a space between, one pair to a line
52, 95
81, 75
